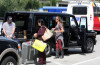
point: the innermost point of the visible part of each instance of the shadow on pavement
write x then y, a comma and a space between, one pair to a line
72, 52
75, 51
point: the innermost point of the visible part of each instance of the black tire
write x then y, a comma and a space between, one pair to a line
48, 50
9, 61
89, 46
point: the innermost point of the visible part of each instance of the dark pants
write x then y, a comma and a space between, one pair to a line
59, 45
42, 57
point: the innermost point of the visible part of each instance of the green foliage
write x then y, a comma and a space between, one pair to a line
18, 5
2, 10
53, 2
46, 4
32, 4
22, 5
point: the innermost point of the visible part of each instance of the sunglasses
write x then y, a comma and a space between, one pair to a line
57, 19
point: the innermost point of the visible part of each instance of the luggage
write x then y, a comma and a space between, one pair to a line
29, 54
39, 45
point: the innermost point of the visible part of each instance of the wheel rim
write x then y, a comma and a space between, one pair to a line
10, 63
89, 45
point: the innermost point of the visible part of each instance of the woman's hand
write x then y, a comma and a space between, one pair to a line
53, 29
35, 35
56, 31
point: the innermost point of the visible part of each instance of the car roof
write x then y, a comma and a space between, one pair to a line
42, 13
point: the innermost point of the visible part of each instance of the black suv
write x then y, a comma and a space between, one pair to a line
8, 52
76, 34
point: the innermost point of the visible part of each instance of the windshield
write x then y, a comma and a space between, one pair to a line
79, 10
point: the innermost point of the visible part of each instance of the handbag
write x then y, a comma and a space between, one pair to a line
47, 35
39, 45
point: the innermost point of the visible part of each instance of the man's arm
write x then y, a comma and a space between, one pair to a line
4, 32
13, 31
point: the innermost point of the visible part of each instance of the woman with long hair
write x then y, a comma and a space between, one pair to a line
59, 37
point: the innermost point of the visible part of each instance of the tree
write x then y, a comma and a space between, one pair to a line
53, 2
33, 4
2, 10
46, 4
18, 5
11, 5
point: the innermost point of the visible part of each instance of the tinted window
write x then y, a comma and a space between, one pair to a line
49, 21
21, 20
63, 5
97, 11
44, 22
80, 10
19, 23
72, 22
66, 22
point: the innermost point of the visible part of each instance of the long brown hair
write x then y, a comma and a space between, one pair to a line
60, 20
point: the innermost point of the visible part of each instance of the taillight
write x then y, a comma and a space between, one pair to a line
19, 47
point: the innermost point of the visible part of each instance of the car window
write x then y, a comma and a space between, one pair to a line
66, 22
72, 22
46, 20
19, 23
83, 22
49, 21
52, 22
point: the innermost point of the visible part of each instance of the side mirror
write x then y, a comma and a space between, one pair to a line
82, 26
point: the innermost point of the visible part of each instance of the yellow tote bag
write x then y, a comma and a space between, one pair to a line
39, 45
